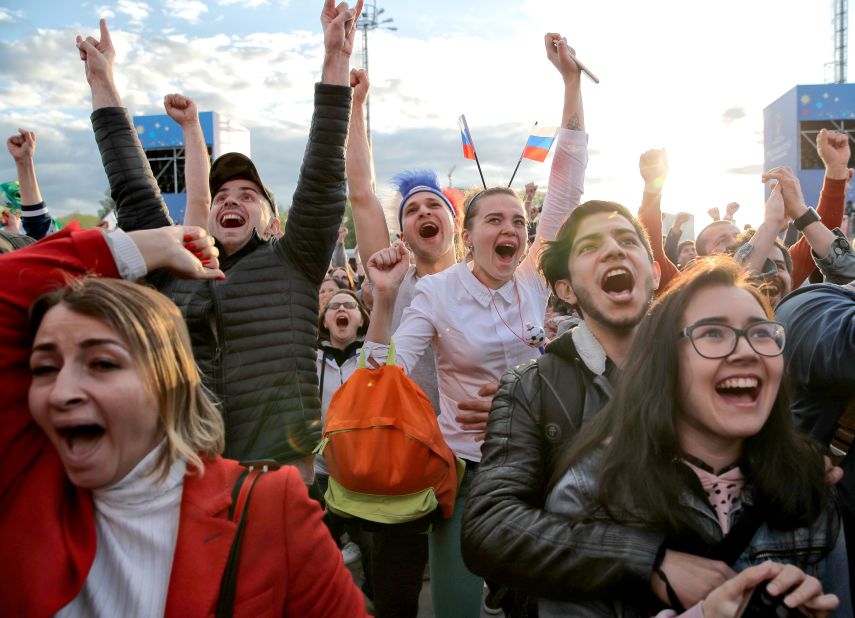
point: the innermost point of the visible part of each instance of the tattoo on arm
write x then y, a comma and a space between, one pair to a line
573, 124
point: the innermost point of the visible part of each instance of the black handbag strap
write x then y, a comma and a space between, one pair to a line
238, 512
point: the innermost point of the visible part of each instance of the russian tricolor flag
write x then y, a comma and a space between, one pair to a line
468, 145
539, 143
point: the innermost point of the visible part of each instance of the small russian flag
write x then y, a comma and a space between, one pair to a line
468, 145
539, 143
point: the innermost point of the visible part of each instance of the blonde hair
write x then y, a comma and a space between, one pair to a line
158, 341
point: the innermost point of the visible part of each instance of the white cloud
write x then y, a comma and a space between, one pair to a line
137, 12
10, 16
247, 4
190, 10
105, 11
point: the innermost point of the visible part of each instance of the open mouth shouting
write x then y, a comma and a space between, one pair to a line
618, 284
739, 390
231, 219
80, 440
428, 229
506, 250
342, 321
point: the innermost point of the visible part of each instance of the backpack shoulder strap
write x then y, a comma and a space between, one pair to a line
241, 494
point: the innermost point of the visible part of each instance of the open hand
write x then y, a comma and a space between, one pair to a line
794, 201
181, 109
183, 250
22, 147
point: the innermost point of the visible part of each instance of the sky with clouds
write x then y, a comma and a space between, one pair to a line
691, 77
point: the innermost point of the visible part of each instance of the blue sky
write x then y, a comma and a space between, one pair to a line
691, 77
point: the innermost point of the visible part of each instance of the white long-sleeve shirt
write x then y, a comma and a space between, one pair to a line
136, 523
453, 311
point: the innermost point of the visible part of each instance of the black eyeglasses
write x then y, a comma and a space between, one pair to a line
348, 304
719, 340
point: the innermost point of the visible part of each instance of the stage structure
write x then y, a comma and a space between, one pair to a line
790, 126
163, 142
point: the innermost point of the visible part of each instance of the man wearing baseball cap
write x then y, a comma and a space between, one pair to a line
254, 334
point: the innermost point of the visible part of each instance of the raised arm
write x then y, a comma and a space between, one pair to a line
817, 236
318, 205
672, 241
197, 163
372, 233
834, 150
653, 166
774, 218
35, 217
132, 184
567, 174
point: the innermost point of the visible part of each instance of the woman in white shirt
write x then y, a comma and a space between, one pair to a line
481, 316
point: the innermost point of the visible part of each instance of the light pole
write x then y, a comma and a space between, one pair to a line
369, 21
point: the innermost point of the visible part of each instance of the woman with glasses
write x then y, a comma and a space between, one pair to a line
343, 322
697, 446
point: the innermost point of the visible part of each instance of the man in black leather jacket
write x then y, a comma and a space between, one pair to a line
602, 264
254, 334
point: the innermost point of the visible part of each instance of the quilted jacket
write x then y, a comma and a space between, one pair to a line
255, 334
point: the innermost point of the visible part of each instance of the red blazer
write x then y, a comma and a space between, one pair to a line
289, 564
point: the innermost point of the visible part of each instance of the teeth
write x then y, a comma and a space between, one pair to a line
232, 216
617, 271
738, 383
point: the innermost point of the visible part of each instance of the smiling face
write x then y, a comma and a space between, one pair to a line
238, 208
611, 276
724, 401
497, 238
90, 399
342, 322
427, 226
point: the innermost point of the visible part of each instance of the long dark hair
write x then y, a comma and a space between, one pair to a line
641, 470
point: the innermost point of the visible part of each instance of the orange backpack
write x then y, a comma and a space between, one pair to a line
387, 460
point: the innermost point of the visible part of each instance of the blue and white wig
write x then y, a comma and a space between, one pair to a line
415, 181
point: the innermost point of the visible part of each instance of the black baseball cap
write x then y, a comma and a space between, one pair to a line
233, 166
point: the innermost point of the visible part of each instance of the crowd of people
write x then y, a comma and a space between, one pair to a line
642, 423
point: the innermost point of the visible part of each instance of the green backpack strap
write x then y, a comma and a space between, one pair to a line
390, 356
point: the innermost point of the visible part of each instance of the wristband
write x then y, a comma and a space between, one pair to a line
809, 216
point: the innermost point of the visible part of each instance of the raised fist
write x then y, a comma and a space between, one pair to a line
22, 146
181, 109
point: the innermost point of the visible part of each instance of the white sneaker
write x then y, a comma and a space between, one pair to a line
350, 552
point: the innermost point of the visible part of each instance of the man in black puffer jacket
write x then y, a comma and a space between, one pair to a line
254, 334
600, 263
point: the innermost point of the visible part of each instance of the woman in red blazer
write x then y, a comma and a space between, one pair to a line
115, 395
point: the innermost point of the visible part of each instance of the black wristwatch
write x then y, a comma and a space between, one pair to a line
806, 219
